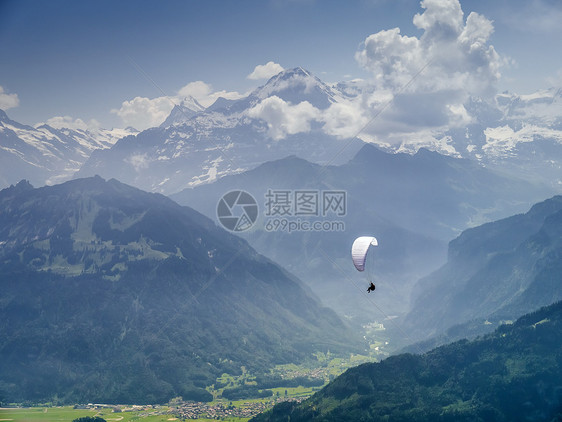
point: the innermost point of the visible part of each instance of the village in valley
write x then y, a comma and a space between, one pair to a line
324, 368
219, 411
316, 373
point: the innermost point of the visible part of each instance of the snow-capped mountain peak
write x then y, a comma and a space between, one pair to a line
46, 155
183, 112
543, 107
297, 85
192, 104
198, 145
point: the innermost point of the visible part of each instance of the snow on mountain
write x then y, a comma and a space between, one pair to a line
525, 138
518, 134
46, 155
294, 113
350, 89
291, 115
542, 108
298, 85
503, 140
181, 113
276, 120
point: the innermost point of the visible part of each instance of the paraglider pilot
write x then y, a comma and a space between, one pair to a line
359, 251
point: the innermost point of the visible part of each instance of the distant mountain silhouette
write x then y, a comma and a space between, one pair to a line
413, 204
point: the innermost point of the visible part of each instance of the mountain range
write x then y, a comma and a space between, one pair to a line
111, 294
413, 204
198, 146
517, 134
520, 135
46, 155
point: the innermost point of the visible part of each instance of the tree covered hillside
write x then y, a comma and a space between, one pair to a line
111, 294
513, 374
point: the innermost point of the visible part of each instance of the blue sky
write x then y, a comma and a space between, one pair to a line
83, 59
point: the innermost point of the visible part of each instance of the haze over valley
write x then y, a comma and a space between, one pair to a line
199, 250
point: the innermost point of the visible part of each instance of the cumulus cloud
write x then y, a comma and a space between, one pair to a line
142, 113
197, 90
452, 52
391, 57
429, 78
68, 122
8, 101
284, 118
343, 120
204, 93
266, 71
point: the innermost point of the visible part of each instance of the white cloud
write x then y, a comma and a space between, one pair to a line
429, 78
197, 90
68, 122
391, 57
229, 95
455, 53
266, 71
343, 120
138, 161
283, 118
8, 101
204, 93
442, 20
142, 113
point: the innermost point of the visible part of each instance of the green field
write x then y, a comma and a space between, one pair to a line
68, 413
321, 366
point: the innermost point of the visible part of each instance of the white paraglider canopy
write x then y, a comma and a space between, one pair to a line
359, 250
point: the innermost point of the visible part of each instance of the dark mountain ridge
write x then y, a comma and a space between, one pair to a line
111, 294
495, 272
513, 374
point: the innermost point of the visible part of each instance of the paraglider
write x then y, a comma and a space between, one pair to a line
359, 251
